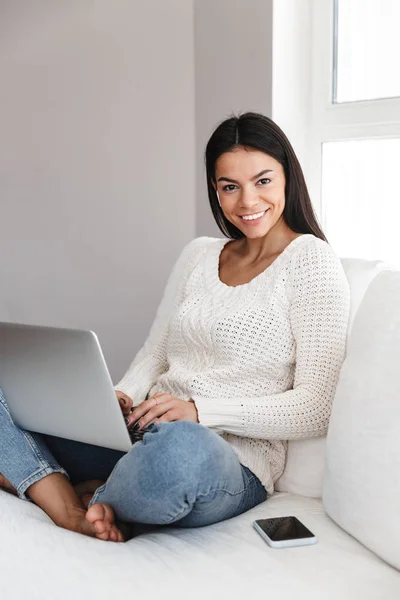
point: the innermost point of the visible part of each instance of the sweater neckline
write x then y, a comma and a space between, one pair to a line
212, 268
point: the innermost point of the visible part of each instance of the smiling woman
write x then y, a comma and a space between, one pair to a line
235, 189
252, 167
257, 194
252, 326
244, 354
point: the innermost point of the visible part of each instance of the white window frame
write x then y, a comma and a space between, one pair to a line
337, 122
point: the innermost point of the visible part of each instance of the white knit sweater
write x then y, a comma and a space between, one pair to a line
261, 360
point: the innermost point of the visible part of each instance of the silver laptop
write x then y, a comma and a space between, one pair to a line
56, 381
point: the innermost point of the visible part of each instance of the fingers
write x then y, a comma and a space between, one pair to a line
170, 414
147, 411
125, 402
139, 421
160, 408
122, 406
167, 417
140, 410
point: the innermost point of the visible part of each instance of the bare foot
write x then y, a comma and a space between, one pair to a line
85, 491
7, 486
101, 516
100, 523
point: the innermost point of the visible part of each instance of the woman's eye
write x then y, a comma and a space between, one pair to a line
229, 188
264, 181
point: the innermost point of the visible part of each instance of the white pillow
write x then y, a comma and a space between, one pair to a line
360, 272
305, 460
304, 469
362, 474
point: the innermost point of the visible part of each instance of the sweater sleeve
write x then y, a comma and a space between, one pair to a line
319, 297
151, 359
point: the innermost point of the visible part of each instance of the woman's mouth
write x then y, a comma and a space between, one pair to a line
254, 219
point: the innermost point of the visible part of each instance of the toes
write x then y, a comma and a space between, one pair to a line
110, 535
108, 513
102, 518
100, 527
113, 535
117, 535
96, 513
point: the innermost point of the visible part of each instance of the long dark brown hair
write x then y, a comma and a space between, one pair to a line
257, 132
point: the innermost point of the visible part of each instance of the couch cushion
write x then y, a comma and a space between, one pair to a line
304, 469
305, 461
360, 273
225, 560
362, 476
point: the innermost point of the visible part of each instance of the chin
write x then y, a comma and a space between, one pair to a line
255, 234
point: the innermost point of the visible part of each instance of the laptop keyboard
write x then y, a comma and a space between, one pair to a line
137, 436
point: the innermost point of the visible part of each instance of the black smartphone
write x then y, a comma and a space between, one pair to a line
284, 532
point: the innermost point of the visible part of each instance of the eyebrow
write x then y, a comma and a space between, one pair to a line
253, 178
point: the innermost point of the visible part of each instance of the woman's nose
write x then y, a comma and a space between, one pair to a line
248, 197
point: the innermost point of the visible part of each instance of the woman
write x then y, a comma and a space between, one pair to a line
244, 354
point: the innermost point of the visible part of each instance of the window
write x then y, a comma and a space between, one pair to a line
366, 50
354, 143
361, 198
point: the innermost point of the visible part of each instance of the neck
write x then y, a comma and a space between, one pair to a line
271, 244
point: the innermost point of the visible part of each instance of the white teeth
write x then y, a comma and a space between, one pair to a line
257, 216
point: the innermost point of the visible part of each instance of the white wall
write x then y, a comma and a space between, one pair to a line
291, 94
233, 57
292, 77
97, 162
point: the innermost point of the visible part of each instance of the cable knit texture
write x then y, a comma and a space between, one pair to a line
261, 360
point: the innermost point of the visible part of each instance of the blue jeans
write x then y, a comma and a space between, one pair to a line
181, 473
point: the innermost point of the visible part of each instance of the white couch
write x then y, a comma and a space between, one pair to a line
357, 472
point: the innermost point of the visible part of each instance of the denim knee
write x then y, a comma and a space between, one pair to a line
184, 450
160, 479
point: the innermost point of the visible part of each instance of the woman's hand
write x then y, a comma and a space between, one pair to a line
125, 403
160, 408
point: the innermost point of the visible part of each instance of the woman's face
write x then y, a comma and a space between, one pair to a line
249, 182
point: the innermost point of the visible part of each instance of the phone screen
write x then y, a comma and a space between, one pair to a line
284, 528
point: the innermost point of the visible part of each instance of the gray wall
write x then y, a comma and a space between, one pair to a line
233, 58
97, 162
105, 111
